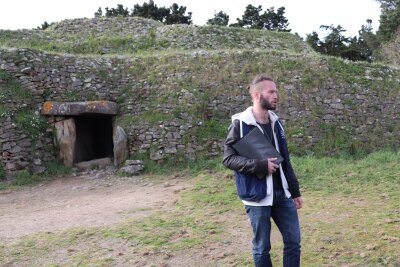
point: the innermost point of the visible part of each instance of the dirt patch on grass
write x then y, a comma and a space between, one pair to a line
85, 200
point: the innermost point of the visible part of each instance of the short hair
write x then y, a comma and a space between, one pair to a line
258, 79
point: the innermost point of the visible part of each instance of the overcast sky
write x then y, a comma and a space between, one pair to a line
305, 16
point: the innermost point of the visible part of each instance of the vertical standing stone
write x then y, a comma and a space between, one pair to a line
120, 141
66, 138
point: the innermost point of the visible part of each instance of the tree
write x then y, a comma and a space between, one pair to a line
389, 21
220, 19
352, 48
334, 43
269, 20
250, 18
150, 11
177, 15
98, 13
44, 26
314, 41
119, 11
173, 15
275, 21
368, 41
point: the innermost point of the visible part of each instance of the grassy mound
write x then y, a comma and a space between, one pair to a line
137, 35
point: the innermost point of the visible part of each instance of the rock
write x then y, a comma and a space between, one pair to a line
11, 166
170, 150
134, 162
79, 108
66, 138
157, 155
88, 165
133, 167
27, 71
6, 146
16, 149
38, 169
120, 141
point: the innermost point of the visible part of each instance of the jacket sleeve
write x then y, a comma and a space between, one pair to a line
293, 182
238, 163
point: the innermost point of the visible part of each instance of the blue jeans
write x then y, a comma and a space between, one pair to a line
284, 213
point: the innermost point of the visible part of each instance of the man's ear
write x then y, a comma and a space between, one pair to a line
256, 95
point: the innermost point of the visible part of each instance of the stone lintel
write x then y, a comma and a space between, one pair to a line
79, 108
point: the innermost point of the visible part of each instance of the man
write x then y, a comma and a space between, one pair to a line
268, 190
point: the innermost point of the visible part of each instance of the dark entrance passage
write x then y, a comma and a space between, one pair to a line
93, 137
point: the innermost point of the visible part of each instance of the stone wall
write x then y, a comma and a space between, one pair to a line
179, 105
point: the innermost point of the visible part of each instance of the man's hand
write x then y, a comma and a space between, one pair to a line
298, 201
272, 167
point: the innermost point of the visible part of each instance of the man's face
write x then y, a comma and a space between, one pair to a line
268, 95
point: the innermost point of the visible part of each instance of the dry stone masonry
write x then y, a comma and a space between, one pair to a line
178, 105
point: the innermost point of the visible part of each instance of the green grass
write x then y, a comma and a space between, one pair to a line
22, 179
2, 172
350, 217
33, 125
160, 37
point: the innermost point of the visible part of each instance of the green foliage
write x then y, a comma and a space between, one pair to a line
2, 172
347, 72
25, 178
352, 48
22, 178
56, 168
269, 20
98, 13
335, 139
219, 19
389, 21
151, 11
21, 114
172, 15
44, 26
154, 117
4, 75
368, 42
12, 89
17, 91
32, 124
211, 129
114, 12
177, 15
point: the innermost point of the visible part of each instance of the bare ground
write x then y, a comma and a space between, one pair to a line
101, 199
85, 200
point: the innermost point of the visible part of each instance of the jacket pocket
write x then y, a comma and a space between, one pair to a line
250, 188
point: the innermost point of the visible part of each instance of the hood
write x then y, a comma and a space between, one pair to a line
247, 117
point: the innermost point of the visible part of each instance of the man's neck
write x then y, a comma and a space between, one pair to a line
261, 115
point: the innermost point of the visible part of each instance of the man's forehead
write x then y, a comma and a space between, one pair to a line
268, 84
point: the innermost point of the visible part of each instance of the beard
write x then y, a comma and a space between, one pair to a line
266, 105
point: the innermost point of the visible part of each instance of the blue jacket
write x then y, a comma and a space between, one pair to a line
251, 174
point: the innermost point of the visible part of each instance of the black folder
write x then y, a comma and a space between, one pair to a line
255, 145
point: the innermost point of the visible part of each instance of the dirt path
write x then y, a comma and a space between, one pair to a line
85, 200
101, 199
